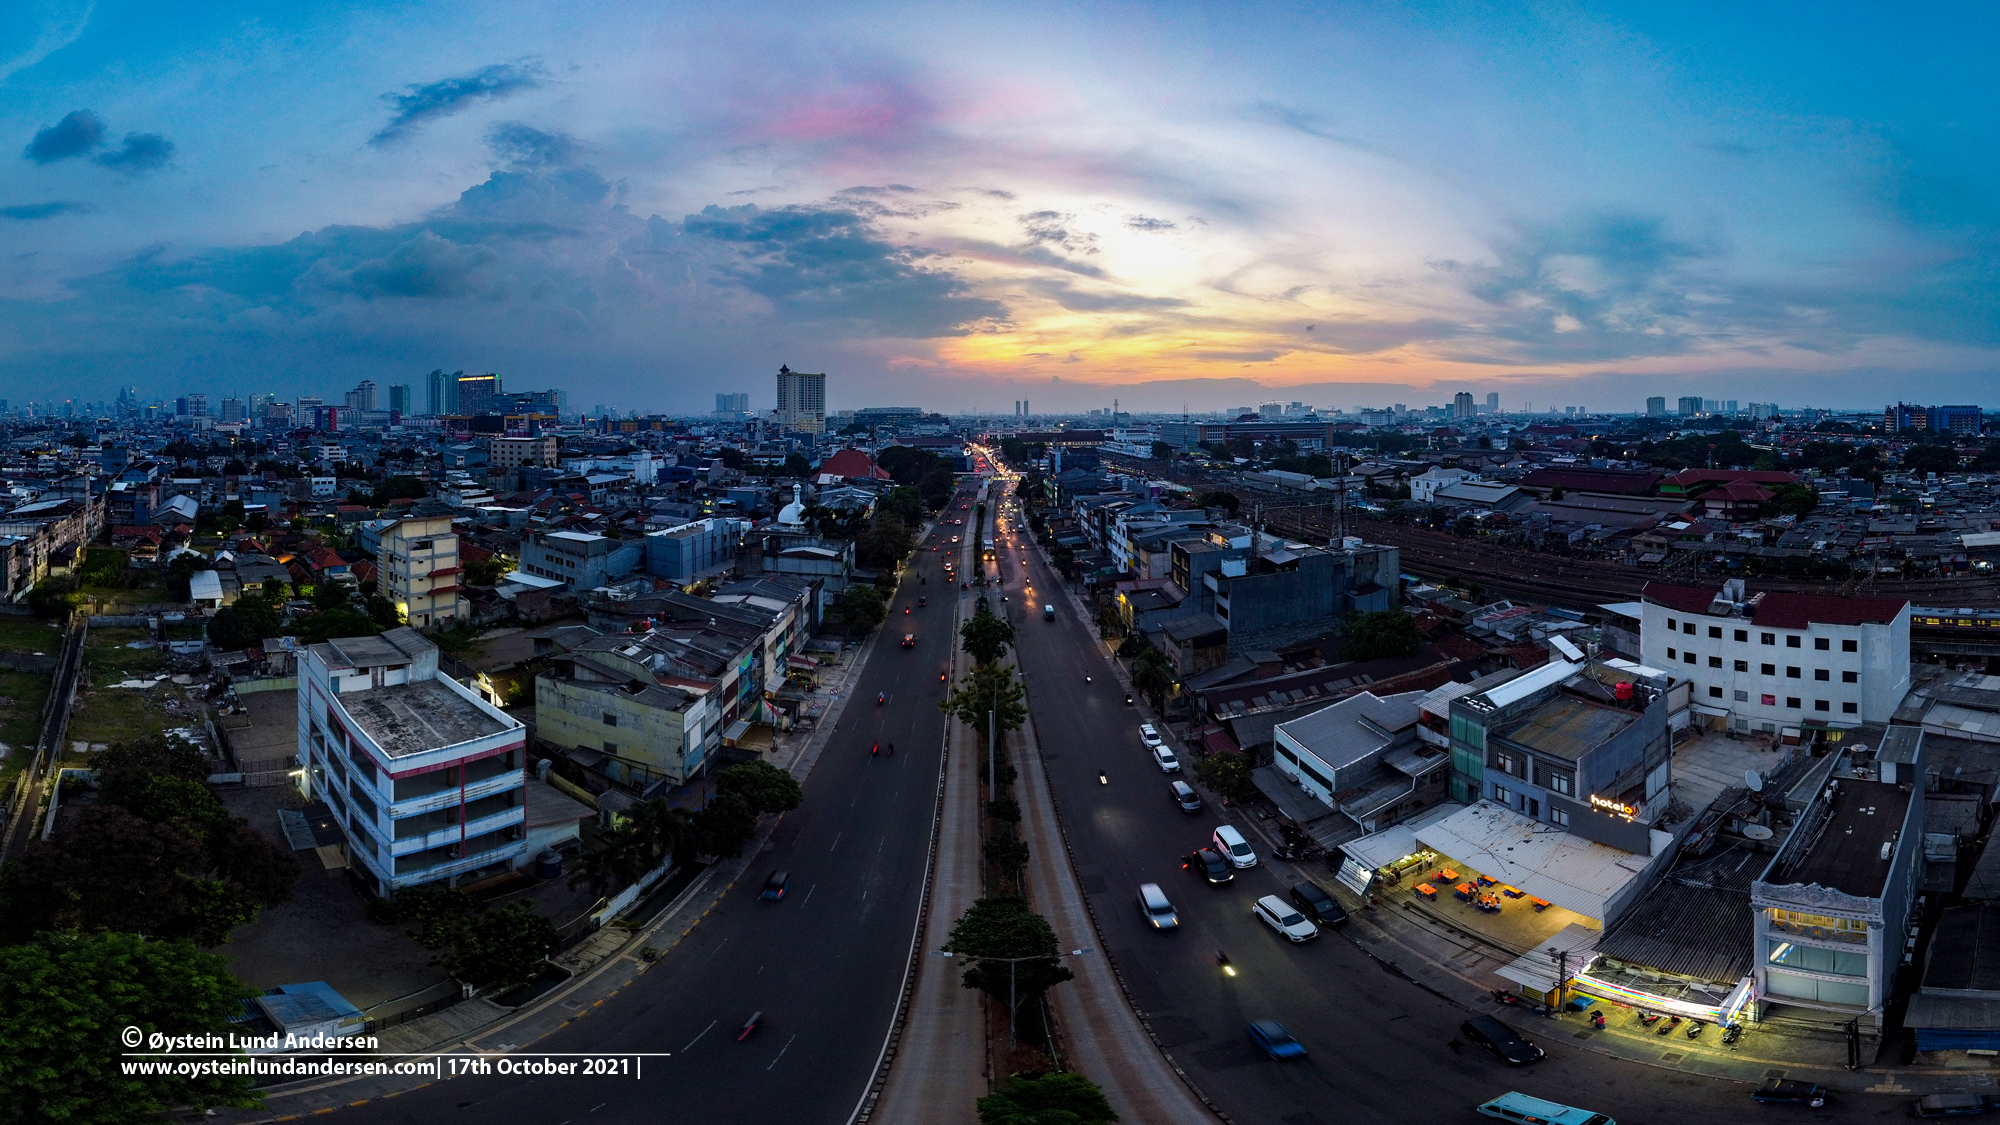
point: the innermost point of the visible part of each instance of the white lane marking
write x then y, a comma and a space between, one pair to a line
697, 1038
808, 898
783, 1049
836, 839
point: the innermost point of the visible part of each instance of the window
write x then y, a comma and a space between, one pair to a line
1850, 677
1850, 708
1687, 658
1715, 662
1715, 631
1850, 646
1559, 818
1822, 705
610, 720
1769, 700
1502, 795
1742, 696
1688, 628
1822, 643
1503, 760
611, 748
1815, 960
1767, 638
1715, 693
1792, 701
1792, 672
1743, 635
1743, 666
1672, 624
1792, 641
1768, 669
1561, 783
1673, 655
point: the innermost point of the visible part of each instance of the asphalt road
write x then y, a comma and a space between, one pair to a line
824, 965
1377, 1043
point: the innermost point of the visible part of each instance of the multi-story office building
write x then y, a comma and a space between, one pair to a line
732, 404
441, 393
1932, 419
512, 451
476, 393
1493, 402
399, 398
1774, 659
1656, 406
418, 559
801, 401
1461, 405
363, 396
232, 410
583, 560
1832, 911
426, 779
1689, 405
692, 550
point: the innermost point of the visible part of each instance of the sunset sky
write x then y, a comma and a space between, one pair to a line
957, 206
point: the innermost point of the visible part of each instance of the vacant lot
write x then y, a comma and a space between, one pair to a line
108, 714
29, 634
108, 657
22, 696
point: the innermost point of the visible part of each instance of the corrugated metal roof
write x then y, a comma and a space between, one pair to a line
1568, 728
1543, 860
1702, 932
1965, 950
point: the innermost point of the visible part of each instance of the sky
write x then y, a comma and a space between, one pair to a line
957, 206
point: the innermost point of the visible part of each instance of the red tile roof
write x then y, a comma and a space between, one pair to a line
852, 463
1687, 599
1584, 478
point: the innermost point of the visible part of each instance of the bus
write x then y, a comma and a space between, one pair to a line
1534, 1111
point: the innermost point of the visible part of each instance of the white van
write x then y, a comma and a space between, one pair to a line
1231, 843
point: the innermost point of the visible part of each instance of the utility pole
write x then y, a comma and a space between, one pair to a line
1561, 958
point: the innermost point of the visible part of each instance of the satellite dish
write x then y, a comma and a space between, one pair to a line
1754, 780
1756, 832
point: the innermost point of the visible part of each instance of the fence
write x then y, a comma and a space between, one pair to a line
416, 1005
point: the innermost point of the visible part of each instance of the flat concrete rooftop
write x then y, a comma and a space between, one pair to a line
409, 719
1848, 854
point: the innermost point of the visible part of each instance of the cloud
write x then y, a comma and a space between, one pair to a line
76, 134
1063, 294
1054, 227
1142, 222
527, 147
33, 212
426, 266
140, 154
451, 95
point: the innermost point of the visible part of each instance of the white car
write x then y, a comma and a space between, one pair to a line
1231, 843
1166, 760
1150, 735
1154, 905
1285, 918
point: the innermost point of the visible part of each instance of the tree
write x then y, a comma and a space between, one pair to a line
886, 542
1792, 500
111, 870
1228, 773
860, 608
1153, 675
55, 596
384, 613
399, 488
498, 948
767, 788
988, 687
1063, 1098
1380, 635
1930, 459
796, 465
65, 999
1226, 501
986, 637
485, 572
328, 624
124, 768
1006, 926
1556, 493
1164, 451
722, 826
248, 622
179, 571
642, 839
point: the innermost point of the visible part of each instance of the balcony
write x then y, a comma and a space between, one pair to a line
1820, 933
416, 795
448, 834
413, 876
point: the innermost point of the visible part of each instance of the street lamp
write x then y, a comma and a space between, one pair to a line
1012, 1003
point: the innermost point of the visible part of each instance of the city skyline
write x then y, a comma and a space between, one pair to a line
1128, 203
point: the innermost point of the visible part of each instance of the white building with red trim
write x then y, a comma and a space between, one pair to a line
426, 779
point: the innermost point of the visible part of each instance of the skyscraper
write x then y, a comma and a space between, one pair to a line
442, 391
1461, 405
1656, 406
399, 398
801, 401
732, 404
476, 393
1493, 402
1690, 405
232, 410
363, 396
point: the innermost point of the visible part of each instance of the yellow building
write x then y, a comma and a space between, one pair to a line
420, 571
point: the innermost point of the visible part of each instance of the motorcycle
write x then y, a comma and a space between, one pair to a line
892, 750
1668, 1027
1086, 679
1128, 699
1731, 1032
749, 1026
1694, 1028
944, 677
1222, 959
1648, 1019
1506, 996
907, 610
874, 748
881, 697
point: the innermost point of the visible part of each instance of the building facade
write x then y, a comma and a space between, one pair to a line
425, 778
584, 560
801, 401
509, 452
691, 550
419, 564
1774, 659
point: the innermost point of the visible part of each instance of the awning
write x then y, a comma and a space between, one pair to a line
801, 663
735, 730
1294, 802
1535, 970
1384, 848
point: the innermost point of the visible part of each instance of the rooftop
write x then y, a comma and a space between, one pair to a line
1574, 873
397, 646
1355, 727
1965, 951
1847, 856
1568, 728
409, 719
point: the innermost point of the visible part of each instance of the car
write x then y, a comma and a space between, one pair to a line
1231, 843
954, 538
1186, 797
1790, 1091
1516, 1106
1165, 759
922, 602
1149, 734
1953, 1105
1208, 864
1272, 1038
1318, 905
909, 640
1154, 905
774, 886
1282, 917
1505, 1043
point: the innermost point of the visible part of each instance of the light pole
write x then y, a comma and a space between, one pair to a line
1561, 958
1012, 1003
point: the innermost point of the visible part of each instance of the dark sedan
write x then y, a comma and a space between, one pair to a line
1790, 1092
1313, 899
1209, 864
775, 885
1954, 1105
1505, 1043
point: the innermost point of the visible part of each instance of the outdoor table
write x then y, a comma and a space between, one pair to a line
1447, 875
1426, 890
1485, 882
1510, 892
1538, 904
1464, 891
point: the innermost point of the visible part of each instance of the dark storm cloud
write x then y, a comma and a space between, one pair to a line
32, 212
528, 147
450, 95
75, 135
426, 266
141, 153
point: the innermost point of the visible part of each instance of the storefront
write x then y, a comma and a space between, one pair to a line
1619, 983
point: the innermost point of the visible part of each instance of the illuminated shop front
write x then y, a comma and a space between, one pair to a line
1609, 979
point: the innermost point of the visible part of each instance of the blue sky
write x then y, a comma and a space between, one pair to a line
961, 205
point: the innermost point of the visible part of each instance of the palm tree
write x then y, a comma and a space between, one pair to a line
1153, 675
645, 836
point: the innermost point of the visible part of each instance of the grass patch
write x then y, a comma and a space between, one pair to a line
106, 654
30, 634
188, 630
128, 595
22, 697
115, 715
